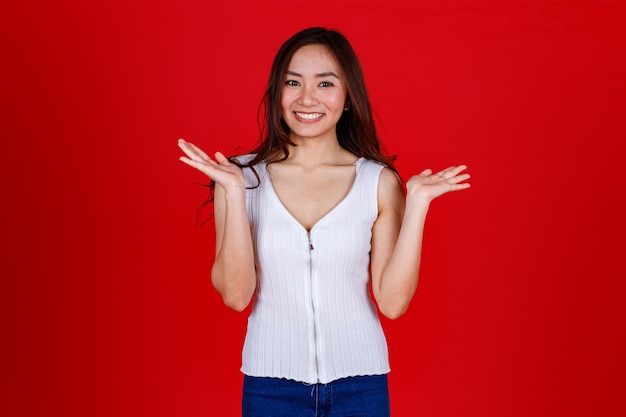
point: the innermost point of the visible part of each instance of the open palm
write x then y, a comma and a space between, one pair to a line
220, 170
430, 186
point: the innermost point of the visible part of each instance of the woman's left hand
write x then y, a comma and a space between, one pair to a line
429, 186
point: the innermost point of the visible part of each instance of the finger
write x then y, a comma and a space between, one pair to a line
458, 178
443, 172
451, 171
199, 151
191, 162
187, 148
459, 187
221, 159
199, 165
426, 172
458, 169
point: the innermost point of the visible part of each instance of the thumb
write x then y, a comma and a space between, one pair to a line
220, 158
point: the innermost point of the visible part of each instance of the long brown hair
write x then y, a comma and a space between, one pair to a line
356, 131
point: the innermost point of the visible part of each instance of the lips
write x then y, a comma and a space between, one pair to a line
308, 116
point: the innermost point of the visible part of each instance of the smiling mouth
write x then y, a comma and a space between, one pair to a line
309, 116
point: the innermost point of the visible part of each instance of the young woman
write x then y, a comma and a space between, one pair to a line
305, 224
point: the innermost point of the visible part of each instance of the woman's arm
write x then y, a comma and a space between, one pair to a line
233, 274
397, 234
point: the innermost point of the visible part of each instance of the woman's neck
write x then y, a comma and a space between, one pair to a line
315, 152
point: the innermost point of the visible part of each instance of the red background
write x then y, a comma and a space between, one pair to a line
107, 308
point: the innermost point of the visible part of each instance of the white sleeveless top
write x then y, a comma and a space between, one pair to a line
313, 319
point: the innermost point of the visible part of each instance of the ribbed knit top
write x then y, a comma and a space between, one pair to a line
313, 319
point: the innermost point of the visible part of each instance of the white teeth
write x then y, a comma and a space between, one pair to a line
309, 116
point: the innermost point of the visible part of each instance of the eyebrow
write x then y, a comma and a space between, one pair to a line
320, 75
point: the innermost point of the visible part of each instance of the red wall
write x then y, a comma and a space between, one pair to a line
107, 308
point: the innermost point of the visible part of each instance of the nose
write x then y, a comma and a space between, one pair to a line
308, 96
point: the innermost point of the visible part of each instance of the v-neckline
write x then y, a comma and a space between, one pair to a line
357, 165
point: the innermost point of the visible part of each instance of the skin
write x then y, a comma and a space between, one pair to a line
318, 170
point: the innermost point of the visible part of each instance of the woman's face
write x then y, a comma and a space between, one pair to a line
313, 94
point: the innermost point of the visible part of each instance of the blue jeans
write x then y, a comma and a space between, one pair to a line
359, 396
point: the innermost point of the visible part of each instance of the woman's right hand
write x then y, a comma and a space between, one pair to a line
220, 170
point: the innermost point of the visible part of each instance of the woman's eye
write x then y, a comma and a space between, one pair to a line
326, 84
292, 83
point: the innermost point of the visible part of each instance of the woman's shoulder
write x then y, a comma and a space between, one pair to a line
378, 166
385, 176
372, 166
